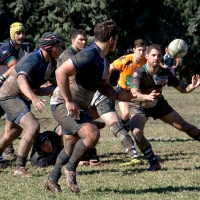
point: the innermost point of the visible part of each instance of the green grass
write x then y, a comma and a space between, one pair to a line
177, 153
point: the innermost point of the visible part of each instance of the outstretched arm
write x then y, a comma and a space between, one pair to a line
186, 88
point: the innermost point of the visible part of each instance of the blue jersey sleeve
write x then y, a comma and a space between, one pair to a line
28, 66
5, 57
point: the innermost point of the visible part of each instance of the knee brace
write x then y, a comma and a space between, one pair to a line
118, 130
115, 128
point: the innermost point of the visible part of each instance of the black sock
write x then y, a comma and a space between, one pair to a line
21, 161
124, 121
125, 124
148, 153
61, 160
9, 149
128, 145
79, 151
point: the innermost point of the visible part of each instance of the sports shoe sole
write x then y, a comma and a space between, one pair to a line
133, 162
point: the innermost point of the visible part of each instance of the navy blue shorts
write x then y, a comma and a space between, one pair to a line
105, 106
68, 124
15, 108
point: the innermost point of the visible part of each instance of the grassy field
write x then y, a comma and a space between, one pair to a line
177, 153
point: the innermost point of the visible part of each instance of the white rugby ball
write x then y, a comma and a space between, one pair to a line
178, 48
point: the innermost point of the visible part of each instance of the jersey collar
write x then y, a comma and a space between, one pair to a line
145, 69
73, 50
96, 46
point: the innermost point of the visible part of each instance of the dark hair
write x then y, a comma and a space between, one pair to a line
78, 32
105, 30
153, 46
139, 43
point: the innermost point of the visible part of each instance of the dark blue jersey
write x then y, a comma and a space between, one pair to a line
9, 46
36, 69
5, 57
92, 70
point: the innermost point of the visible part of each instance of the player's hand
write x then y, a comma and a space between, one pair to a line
73, 109
153, 95
165, 66
38, 103
126, 96
195, 80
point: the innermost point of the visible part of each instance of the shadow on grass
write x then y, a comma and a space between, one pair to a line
169, 140
117, 157
158, 190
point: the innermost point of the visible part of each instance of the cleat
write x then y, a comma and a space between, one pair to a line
53, 186
155, 167
71, 181
9, 156
132, 162
22, 172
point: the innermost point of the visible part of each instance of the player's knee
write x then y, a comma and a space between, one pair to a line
34, 129
125, 115
92, 137
116, 127
137, 133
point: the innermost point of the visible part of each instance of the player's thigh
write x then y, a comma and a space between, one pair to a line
137, 122
89, 131
29, 122
110, 117
174, 119
92, 112
124, 107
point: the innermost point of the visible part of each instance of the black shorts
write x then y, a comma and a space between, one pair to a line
161, 109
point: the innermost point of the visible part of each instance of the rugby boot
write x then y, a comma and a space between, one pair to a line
9, 156
132, 162
53, 186
71, 181
155, 167
9, 153
22, 172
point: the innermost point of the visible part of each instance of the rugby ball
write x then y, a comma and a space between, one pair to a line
178, 48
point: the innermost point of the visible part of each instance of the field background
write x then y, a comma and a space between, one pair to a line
177, 153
